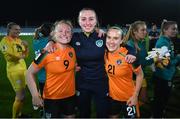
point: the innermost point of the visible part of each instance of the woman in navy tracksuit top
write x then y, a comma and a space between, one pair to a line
92, 82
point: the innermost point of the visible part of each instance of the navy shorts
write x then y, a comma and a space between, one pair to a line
120, 108
55, 108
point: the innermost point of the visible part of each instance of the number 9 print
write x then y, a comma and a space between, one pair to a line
66, 63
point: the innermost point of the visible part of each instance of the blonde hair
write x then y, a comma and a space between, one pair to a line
130, 34
67, 22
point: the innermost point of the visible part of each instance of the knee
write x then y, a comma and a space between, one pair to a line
20, 95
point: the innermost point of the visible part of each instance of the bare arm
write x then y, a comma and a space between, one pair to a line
30, 77
139, 77
25, 53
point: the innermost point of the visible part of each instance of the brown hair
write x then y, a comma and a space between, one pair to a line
165, 25
91, 9
10, 25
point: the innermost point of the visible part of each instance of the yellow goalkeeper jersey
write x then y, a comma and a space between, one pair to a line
13, 49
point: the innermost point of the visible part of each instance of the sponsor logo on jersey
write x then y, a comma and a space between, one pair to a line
78, 43
118, 61
57, 58
99, 43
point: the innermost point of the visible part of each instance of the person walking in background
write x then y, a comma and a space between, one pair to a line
165, 70
123, 92
136, 38
153, 36
40, 40
14, 51
59, 88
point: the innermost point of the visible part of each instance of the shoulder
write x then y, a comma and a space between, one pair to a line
76, 34
4, 44
40, 56
124, 49
130, 43
4, 39
75, 37
162, 41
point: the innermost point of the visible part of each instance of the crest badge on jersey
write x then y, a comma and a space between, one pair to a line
71, 54
4, 48
118, 61
99, 43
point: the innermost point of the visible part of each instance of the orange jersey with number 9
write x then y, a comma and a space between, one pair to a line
60, 73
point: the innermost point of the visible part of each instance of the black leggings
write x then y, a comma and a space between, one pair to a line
162, 89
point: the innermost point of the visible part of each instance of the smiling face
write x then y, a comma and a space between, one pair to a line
62, 33
87, 20
14, 31
141, 31
113, 39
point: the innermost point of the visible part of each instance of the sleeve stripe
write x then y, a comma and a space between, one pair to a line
40, 57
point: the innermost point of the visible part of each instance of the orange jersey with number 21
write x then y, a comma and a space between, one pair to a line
120, 73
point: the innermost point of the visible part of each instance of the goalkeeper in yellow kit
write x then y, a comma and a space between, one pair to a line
14, 51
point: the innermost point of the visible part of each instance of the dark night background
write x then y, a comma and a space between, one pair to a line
34, 12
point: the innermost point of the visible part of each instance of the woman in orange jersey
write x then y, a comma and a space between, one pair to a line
122, 91
59, 89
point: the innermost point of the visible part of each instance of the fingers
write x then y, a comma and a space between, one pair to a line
130, 58
78, 68
37, 102
35, 107
128, 103
50, 49
101, 33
